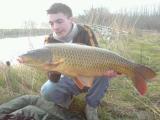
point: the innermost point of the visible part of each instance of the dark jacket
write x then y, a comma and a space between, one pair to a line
85, 36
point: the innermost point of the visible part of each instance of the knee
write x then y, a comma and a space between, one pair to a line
55, 93
48, 90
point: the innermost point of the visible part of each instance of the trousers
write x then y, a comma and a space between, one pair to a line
63, 91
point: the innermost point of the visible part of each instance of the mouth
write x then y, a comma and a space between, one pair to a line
19, 60
59, 32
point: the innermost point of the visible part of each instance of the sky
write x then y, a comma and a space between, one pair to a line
14, 13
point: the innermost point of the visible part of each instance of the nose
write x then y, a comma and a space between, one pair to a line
55, 27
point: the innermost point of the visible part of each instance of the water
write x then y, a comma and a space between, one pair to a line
10, 48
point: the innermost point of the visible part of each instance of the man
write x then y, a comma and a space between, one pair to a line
59, 88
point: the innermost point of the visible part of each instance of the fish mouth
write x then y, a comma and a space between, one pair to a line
24, 60
21, 60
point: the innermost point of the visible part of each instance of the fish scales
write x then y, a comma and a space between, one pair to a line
80, 60
88, 61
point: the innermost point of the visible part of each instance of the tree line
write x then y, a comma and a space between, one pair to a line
10, 33
123, 20
140, 18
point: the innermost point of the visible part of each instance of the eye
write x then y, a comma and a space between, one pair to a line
59, 21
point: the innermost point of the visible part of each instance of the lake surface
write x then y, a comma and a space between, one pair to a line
10, 48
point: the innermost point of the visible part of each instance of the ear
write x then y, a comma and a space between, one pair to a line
71, 19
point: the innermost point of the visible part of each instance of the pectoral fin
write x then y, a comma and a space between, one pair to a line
52, 65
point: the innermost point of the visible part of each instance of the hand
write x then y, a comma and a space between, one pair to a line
54, 76
111, 73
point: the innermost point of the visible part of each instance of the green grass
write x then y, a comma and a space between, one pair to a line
18, 80
121, 102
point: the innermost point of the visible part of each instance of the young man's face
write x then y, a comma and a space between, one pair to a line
60, 24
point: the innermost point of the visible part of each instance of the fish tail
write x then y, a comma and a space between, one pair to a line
141, 75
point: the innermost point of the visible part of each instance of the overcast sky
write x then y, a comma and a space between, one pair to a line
15, 12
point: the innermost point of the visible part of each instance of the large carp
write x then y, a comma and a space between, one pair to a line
81, 61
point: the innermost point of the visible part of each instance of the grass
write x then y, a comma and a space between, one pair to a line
19, 80
121, 102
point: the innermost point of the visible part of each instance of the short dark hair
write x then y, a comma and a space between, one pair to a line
60, 8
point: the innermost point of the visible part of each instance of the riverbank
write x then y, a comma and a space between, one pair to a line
10, 48
122, 101
13, 33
